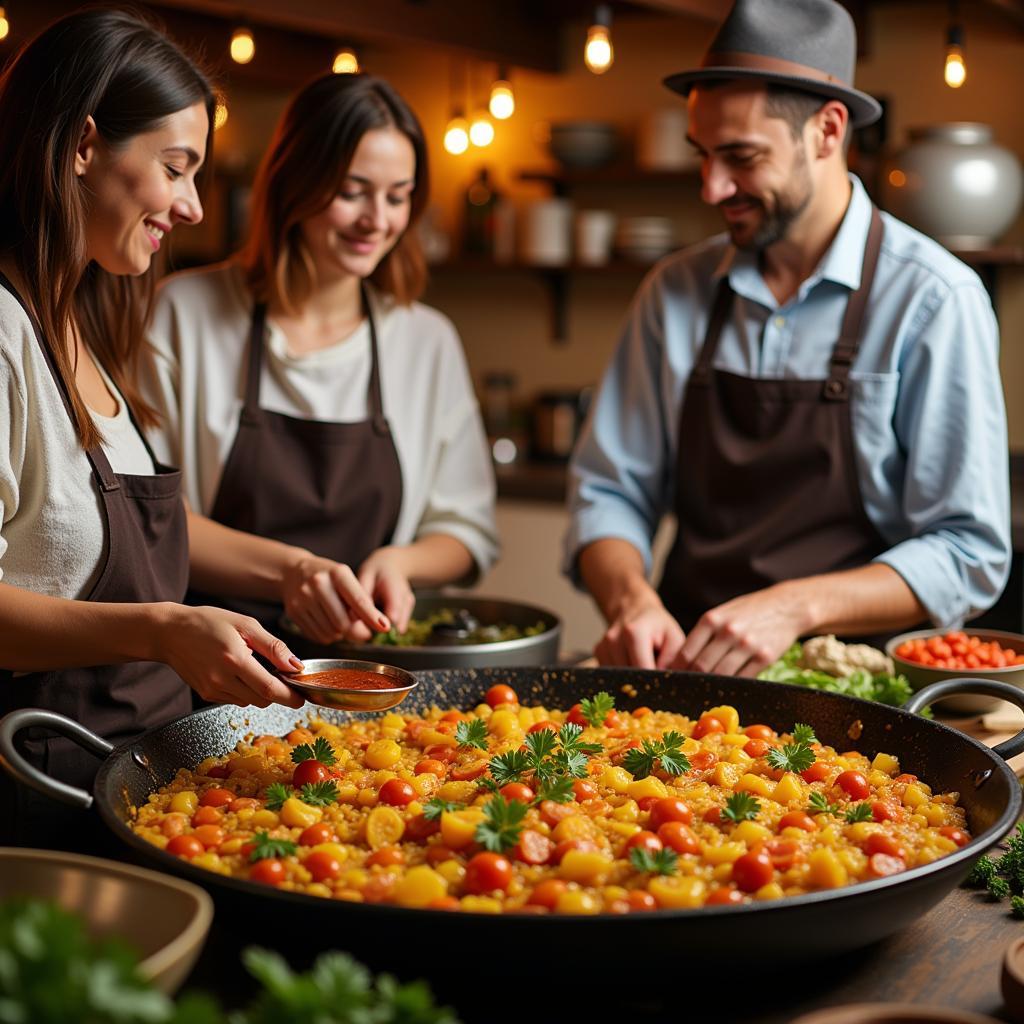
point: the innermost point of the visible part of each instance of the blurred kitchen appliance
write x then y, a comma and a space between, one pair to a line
558, 416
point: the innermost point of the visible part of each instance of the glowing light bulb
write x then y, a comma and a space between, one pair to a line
345, 63
956, 69
503, 101
5, 25
456, 136
598, 53
243, 46
220, 115
481, 131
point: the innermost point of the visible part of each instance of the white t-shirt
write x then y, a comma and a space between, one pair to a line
52, 529
200, 334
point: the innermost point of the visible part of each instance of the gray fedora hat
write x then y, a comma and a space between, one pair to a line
806, 44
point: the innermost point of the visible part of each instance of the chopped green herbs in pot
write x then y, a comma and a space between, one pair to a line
264, 846
510, 766
741, 807
820, 804
277, 793
472, 734
502, 824
666, 754
320, 750
793, 757
595, 709
558, 789
433, 809
660, 862
319, 794
859, 812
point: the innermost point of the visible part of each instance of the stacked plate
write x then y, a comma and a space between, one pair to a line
645, 239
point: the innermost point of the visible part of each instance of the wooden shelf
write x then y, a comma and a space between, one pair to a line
483, 265
627, 174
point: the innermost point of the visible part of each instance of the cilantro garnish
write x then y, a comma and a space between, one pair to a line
320, 750
741, 807
595, 709
804, 734
472, 734
503, 821
319, 794
510, 766
819, 804
558, 789
569, 739
859, 812
641, 761
277, 793
433, 809
265, 847
662, 862
793, 757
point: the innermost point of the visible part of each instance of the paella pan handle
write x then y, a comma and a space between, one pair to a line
990, 688
16, 765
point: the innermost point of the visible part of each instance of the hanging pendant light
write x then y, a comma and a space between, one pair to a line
243, 45
502, 103
598, 53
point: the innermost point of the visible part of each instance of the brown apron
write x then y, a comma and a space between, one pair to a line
766, 476
332, 488
146, 560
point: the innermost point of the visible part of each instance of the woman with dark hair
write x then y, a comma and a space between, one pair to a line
93, 543
313, 404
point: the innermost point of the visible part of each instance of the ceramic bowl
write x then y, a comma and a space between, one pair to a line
921, 675
164, 919
583, 144
399, 684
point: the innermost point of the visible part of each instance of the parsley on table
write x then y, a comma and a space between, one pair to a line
741, 807
666, 752
510, 766
804, 734
595, 709
472, 734
793, 757
557, 789
661, 862
859, 812
320, 750
319, 794
503, 821
277, 793
1003, 877
984, 869
264, 846
819, 804
1017, 906
434, 808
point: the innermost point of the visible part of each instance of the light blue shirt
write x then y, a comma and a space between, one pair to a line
929, 423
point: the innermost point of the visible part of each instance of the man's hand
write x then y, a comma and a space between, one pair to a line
642, 634
384, 577
744, 635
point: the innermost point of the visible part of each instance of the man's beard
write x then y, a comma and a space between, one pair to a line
788, 207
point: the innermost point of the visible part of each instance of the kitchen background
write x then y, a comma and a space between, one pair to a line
538, 335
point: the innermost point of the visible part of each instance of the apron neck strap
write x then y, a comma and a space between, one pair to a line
716, 321
95, 454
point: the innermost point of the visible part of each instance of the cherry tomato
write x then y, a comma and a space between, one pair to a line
584, 790
185, 846
958, 835
669, 808
546, 893
713, 815
798, 819
881, 864
818, 772
753, 870
614, 721
219, 771
438, 853
906, 778
552, 813
723, 896
419, 828
209, 835
216, 797
546, 724
645, 803
299, 736
882, 810
855, 785
487, 872
322, 865
576, 716
517, 791
316, 834
756, 748
269, 871
702, 760
501, 694
441, 752
677, 835
583, 845
444, 903
396, 792
173, 825
386, 856
452, 716
448, 728
640, 899
784, 853
645, 841
642, 712
879, 842
707, 724
432, 766
244, 803
309, 771
468, 771
759, 732
207, 816
533, 847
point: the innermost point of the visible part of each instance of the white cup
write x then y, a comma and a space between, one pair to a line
595, 230
547, 233
661, 141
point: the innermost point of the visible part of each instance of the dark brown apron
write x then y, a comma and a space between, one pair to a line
332, 488
766, 476
146, 560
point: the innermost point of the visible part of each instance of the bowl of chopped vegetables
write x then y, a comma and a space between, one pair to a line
931, 655
453, 631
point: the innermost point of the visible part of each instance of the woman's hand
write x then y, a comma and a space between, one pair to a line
212, 650
326, 601
384, 575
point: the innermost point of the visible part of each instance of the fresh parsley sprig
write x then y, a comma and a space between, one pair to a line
661, 862
277, 793
319, 794
569, 740
472, 734
804, 734
859, 812
820, 804
434, 808
595, 709
558, 789
320, 750
264, 846
502, 824
666, 752
793, 757
741, 807
510, 766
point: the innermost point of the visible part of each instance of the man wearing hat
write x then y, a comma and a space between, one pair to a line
814, 394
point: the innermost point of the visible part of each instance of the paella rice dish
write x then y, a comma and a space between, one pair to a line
506, 808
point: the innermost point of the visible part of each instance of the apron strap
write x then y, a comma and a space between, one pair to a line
95, 454
374, 395
716, 321
837, 387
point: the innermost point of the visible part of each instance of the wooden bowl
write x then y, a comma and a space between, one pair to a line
164, 919
1012, 980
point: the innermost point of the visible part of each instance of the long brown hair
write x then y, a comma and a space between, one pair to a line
302, 172
128, 76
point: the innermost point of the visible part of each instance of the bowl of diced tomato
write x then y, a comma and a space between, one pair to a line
930, 655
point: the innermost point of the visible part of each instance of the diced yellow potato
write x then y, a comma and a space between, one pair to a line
675, 892
382, 754
576, 826
526, 719
384, 827
826, 870
356, 878
412, 808
481, 904
789, 788
458, 828
914, 796
431, 737
738, 756
934, 814
337, 850
392, 720
185, 802
585, 866
457, 792
860, 830
691, 746
624, 828
211, 862
249, 765
757, 784
265, 819
855, 861
616, 779
503, 722
425, 785
651, 786
771, 891
230, 846
367, 797
726, 775
451, 871
382, 776
419, 886
727, 715
576, 901
296, 814
828, 836
347, 793
629, 811
751, 833
726, 853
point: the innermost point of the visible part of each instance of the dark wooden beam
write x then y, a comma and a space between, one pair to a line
705, 10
